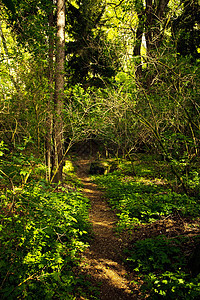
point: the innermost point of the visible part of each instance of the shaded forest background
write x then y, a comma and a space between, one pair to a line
130, 79
105, 79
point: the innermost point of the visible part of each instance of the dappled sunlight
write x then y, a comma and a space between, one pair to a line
103, 269
89, 191
163, 225
102, 261
148, 181
103, 224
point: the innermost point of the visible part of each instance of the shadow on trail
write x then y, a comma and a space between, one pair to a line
102, 261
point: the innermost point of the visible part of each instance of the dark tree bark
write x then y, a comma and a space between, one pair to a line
148, 25
161, 8
150, 19
155, 11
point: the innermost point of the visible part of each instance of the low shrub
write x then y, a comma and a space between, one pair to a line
142, 201
160, 263
42, 235
163, 268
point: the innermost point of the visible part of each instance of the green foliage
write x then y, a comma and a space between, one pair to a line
43, 232
186, 28
162, 265
3, 148
171, 285
155, 109
143, 200
17, 166
89, 51
155, 254
160, 262
29, 21
10, 5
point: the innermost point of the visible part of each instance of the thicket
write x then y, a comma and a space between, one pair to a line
123, 111
126, 118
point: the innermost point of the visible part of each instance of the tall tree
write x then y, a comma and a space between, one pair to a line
7, 58
49, 121
33, 24
88, 50
139, 7
151, 19
155, 13
59, 91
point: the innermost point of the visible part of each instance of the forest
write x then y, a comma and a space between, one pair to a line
100, 149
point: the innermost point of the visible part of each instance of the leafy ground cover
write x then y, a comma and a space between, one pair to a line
45, 228
43, 231
163, 224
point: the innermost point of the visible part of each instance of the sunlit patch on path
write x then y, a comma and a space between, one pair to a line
102, 261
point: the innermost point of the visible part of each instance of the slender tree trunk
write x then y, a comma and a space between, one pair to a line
59, 91
161, 8
148, 29
150, 24
138, 37
49, 122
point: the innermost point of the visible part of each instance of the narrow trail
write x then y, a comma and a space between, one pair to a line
102, 261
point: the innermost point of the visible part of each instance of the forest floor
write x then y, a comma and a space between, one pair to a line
103, 260
103, 266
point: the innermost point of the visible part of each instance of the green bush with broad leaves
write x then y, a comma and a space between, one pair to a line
42, 235
171, 285
43, 230
137, 202
159, 262
164, 268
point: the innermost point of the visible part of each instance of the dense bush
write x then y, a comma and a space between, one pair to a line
43, 230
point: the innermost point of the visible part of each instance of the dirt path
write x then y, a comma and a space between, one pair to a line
103, 260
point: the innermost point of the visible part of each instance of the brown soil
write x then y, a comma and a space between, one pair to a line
102, 261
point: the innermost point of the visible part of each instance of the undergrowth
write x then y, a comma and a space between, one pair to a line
139, 201
43, 232
161, 262
164, 267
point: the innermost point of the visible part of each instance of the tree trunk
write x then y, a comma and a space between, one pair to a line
150, 24
148, 27
138, 38
161, 8
49, 121
59, 92
155, 10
